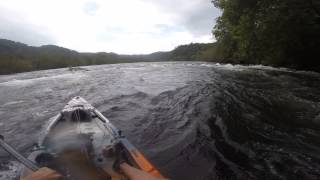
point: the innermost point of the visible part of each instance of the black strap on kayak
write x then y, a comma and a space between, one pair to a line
28, 163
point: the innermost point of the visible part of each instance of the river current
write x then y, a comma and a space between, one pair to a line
193, 120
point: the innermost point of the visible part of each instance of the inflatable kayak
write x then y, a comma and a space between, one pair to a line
81, 143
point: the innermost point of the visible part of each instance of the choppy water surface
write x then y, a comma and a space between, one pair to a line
193, 120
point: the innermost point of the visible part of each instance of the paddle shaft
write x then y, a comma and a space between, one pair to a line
28, 163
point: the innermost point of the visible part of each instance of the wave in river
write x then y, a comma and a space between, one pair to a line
193, 120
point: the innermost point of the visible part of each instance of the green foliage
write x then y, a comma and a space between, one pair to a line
17, 57
272, 32
194, 52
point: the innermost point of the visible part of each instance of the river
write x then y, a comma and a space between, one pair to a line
193, 120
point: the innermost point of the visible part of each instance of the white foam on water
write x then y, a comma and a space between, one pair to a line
12, 103
209, 65
11, 172
230, 67
24, 82
260, 66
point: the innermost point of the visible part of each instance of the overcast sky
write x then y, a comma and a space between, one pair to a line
121, 26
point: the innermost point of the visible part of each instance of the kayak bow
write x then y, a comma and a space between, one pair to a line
81, 143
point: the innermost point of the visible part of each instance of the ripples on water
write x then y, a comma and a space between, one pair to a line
193, 120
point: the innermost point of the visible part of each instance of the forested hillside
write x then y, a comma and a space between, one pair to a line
194, 52
17, 57
271, 32
189, 52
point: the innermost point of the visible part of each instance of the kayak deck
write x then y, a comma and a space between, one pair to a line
77, 135
74, 144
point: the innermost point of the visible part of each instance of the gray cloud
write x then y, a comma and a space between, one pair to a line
16, 28
201, 20
91, 8
198, 19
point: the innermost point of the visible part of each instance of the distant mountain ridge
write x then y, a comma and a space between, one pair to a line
18, 57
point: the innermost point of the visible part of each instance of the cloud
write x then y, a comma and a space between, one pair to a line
14, 27
135, 26
201, 20
198, 16
90, 8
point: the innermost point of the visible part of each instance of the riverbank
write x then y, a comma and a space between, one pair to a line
17, 57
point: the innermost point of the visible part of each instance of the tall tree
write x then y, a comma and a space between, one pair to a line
275, 32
